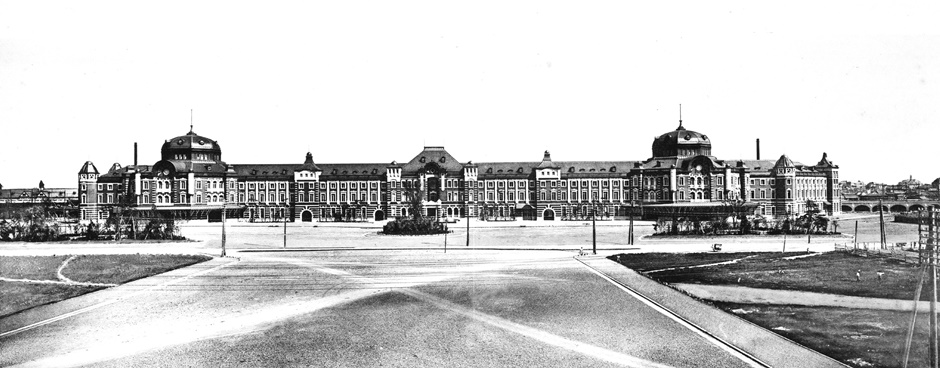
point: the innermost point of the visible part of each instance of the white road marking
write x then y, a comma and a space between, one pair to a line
533, 333
232, 325
112, 301
752, 361
536, 334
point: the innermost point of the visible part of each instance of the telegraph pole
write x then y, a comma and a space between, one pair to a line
466, 209
223, 229
285, 227
933, 285
881, 220
594, 227
630, 241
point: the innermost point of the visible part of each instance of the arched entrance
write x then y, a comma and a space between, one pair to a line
548, 214
898, 208
306, 216
846, 208
379, 215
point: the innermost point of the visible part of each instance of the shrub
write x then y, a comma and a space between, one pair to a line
412, 226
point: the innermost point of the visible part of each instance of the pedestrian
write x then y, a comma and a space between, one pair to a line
858, 275
880, 273
581, 251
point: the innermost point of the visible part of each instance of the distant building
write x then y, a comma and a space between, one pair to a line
12, 199
681, 177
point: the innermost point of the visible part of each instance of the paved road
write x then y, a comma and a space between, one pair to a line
363, 308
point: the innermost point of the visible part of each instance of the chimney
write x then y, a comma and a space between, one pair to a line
135, 154
758, 148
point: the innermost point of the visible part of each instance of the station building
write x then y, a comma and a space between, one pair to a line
681, 178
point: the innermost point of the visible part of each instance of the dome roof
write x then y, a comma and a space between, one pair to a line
682, 142
191, 146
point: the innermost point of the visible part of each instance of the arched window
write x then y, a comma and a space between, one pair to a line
698, 181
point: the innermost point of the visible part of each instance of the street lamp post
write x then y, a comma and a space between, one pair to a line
630, 242
223, 229
466, 215
594, 227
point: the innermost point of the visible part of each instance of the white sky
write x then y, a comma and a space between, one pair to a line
355, 81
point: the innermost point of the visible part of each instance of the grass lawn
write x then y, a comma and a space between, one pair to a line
108, 269
832, 273
118, 269
18, 296
858, 337
656, 261
33, 268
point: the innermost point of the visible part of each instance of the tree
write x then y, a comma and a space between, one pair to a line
415, 200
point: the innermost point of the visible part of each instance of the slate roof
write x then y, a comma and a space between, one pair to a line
432, 154
88, 168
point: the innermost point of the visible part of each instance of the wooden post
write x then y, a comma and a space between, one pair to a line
223, 229
855, 238
932, 263
910, 330
881, 221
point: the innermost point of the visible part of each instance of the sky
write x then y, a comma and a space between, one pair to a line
375, 81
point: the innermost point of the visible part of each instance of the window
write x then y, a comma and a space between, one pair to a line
198, 184
100, 187
762, 193
182, 184
110, 198
198, 198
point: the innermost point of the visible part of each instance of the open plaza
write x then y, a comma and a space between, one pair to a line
345, 295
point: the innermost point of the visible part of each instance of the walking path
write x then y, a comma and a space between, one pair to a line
749, 295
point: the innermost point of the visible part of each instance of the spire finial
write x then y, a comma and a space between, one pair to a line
680, 118
191, 121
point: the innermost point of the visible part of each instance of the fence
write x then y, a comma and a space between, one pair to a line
904, 252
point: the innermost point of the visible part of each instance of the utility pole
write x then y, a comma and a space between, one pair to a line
630, 241
881, 220
223, 229
855, 238
466, 209
284, 215
933, 284
594, 227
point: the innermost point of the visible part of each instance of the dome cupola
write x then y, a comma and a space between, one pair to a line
682, 143
191, 146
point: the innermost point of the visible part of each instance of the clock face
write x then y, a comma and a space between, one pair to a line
698, 167
166, 172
